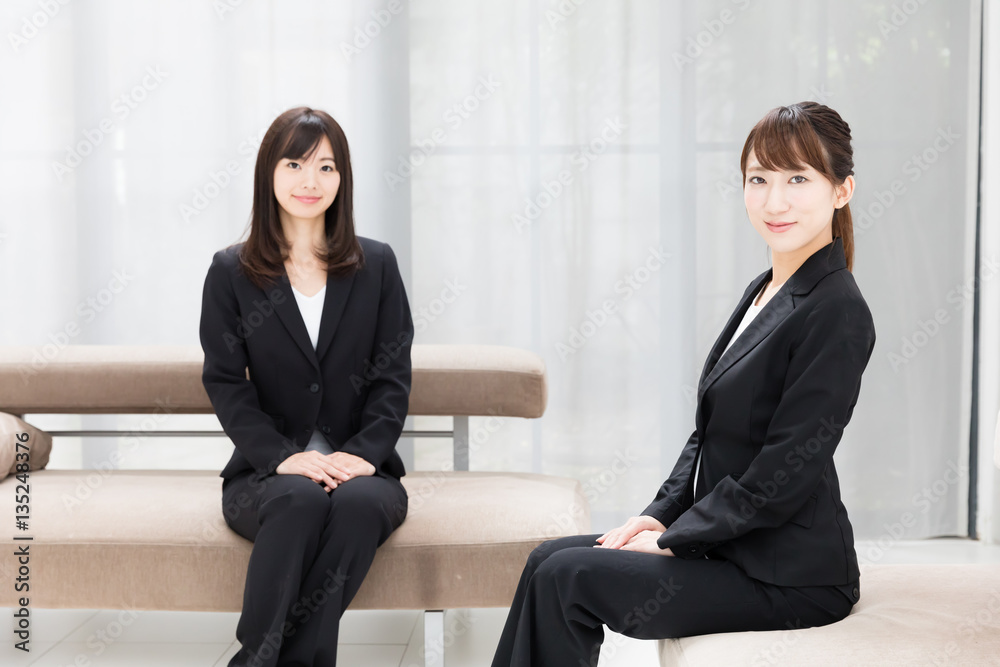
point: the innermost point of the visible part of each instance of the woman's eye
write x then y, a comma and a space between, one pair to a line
329, 167
293, 164
802, 177
755, 182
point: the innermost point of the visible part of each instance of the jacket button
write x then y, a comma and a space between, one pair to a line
326, 429
856, 592
305, 430
314, 387
693, 550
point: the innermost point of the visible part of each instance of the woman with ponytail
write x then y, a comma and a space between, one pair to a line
748, 532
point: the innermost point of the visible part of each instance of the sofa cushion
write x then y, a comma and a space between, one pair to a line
156, 539
908, 614
39, 444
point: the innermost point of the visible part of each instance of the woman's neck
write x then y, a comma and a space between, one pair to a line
784, 264
304, 237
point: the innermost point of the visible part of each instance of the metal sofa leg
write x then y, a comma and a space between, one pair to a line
460, 442
434, 638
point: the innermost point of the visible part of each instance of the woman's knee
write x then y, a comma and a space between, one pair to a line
553, 554
370, 501
298, 497
539, 554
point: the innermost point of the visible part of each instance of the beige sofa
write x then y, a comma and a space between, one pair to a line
157, 539
907, 615
927, 614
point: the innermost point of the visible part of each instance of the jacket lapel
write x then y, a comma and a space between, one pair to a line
714, 366
338, 289
827, 259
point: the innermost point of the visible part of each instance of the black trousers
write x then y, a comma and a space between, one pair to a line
311, 551
569, 590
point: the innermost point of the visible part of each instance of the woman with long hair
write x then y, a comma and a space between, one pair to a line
307, 333
749, 531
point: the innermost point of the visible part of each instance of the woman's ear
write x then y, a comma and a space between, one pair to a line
844, 192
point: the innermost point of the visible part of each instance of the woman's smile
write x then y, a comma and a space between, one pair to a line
778, 227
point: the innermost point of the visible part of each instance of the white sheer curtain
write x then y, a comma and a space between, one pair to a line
565, 173
686, 82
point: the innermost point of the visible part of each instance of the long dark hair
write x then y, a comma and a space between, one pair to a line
810, 133
296, 134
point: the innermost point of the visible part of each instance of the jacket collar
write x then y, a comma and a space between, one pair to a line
824, 261
338, 289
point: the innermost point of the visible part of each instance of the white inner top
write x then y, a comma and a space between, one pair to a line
747, 319
311, 309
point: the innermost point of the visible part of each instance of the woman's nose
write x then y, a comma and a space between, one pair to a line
776, 201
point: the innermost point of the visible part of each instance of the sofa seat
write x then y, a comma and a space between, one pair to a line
157, 539
908, 615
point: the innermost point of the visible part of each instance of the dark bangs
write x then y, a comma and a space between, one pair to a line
784, 139
303, 140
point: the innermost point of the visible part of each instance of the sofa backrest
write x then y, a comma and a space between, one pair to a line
453, 380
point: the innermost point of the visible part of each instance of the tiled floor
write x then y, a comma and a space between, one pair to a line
104, 638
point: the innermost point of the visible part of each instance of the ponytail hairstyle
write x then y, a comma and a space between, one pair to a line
813, 134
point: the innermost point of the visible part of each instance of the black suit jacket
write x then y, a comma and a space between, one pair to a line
770, 413
270, 388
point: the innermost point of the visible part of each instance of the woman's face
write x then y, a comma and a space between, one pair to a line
792, 209
306, 188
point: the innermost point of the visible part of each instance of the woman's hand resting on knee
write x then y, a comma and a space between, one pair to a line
638, 534
330, 470
645, 542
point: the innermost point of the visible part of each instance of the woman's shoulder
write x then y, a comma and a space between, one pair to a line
376, 255
225, 266
841, 287
228, 256
372, 247
837, 296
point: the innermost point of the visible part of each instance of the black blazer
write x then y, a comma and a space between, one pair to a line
270, 388
769, 415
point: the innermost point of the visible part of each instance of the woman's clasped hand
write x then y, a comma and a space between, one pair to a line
330, 470
638, 534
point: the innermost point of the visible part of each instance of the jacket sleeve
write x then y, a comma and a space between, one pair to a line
668, 503
820, 390
233, 395
388, 372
